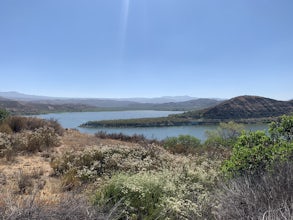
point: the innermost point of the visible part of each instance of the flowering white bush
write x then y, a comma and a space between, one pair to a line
145, 182
179, 193
6, 142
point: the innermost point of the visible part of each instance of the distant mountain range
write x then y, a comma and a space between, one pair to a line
23, 97
156, 100
19, 103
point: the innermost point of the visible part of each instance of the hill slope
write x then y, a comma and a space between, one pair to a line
244, 107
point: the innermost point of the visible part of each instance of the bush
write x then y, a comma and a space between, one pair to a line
169, 194
53, 123
256, 151
266, 196
18, 124
3, 115
90, 164
141, 195
225, 135
42, 139
6, 146
282, 129
181, 191
183, 144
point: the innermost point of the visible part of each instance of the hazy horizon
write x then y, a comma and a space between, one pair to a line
147, 48
187, 97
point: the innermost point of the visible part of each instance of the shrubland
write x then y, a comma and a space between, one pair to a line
28, 135
232, 175
258, 175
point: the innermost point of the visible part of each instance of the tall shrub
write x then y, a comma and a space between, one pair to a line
257, 151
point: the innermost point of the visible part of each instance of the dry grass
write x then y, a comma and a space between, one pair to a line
69, 207
29, 190
264, 196
74, 140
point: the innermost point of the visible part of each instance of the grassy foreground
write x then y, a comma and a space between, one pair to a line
47, 172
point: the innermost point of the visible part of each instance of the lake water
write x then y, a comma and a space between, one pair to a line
74, 119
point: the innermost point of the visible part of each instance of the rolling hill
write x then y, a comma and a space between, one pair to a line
244, 107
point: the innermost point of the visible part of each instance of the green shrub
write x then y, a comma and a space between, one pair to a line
183, 144
3, 115
141, 195
257, 151
180, 193
282, 129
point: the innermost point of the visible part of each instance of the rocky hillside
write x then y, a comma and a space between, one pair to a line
244, 107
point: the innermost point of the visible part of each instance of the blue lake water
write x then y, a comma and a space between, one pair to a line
74, 119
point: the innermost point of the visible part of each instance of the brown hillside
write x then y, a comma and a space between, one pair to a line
248, 107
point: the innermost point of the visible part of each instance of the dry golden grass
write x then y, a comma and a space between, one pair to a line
36, 173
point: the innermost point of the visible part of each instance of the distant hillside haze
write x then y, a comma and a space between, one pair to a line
241, 107
173, 103
19, 103
23, 97
160, 100
156, 100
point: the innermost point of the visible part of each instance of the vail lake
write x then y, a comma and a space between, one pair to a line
74, 119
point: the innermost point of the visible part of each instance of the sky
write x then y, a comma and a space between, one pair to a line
147, 48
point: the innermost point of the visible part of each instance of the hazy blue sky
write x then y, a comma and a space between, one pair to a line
147, 48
